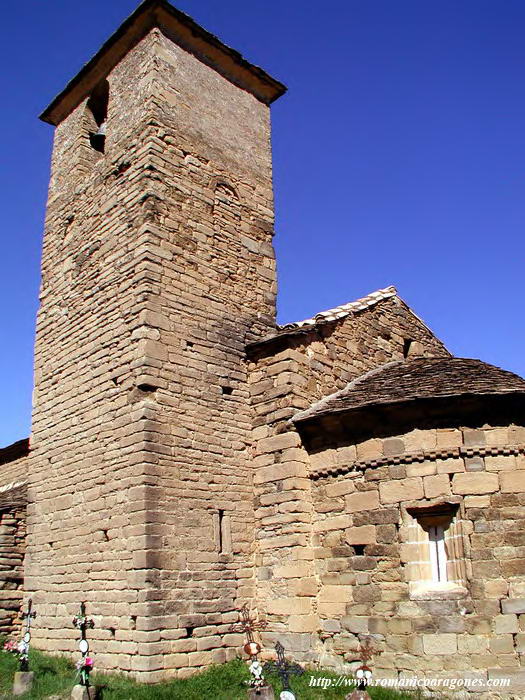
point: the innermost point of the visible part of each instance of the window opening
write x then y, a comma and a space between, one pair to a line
221, 531
438, 555
98, 106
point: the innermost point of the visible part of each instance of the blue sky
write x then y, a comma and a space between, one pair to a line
399, 157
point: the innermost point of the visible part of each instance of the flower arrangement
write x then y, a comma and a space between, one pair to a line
84, 668
81, 621
85, 662
11, 647
19, 649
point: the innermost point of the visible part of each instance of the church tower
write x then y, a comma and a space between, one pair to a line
158, 269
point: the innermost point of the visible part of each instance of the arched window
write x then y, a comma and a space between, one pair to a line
97, 106
226, 209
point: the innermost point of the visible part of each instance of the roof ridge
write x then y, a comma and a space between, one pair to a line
344, 309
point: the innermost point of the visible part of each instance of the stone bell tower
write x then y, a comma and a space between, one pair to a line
158, 268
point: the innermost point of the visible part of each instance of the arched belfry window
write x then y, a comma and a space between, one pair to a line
97, 106
226, 208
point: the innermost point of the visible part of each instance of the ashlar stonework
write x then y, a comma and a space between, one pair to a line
344, 475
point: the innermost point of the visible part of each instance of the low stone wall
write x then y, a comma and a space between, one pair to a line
12, 551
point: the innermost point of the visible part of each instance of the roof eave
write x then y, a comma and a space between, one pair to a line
180, 28
311, 415
15, 451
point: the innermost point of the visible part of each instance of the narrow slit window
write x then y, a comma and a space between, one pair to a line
438, 556
221, 531
98, 107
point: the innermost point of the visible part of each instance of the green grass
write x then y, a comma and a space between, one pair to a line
56, 676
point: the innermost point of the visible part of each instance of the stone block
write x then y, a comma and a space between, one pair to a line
452, 465
295, 570
516, 677
513, 606
346, 455
477, 501
369, 449
366, 534
472, 644
362, 500
338, 522
501, 644
519, 642
303, 623
446, 437
440, 644
331, 626
506, 624
278, 442
410, 489
512, 482
339, 488
474, 438
23, 682
435, 486
393, 446
331, 609
289, 606
80, 692
497, 588
335, 594
304, 586
280, 471
421, 468
474, 483
474, 464
500, 463
418, 440
513, 567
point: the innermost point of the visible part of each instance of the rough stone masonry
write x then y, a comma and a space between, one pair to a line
344, 475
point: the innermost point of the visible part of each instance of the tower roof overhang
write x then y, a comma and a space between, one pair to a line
181, 29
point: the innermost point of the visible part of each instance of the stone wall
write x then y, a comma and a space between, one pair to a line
158, 267
288, 374
12, 552
316, 361
367, 497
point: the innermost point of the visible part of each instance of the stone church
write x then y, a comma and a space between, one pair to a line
345, 475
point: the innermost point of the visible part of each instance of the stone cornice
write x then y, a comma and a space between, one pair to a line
420, 456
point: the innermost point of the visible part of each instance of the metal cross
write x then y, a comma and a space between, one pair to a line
248, 625
83, 623
367, 651
27, 616
283, 668
364, 673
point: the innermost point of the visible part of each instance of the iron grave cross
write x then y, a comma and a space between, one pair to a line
85, 664
284, 669
248, 625
27, 616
